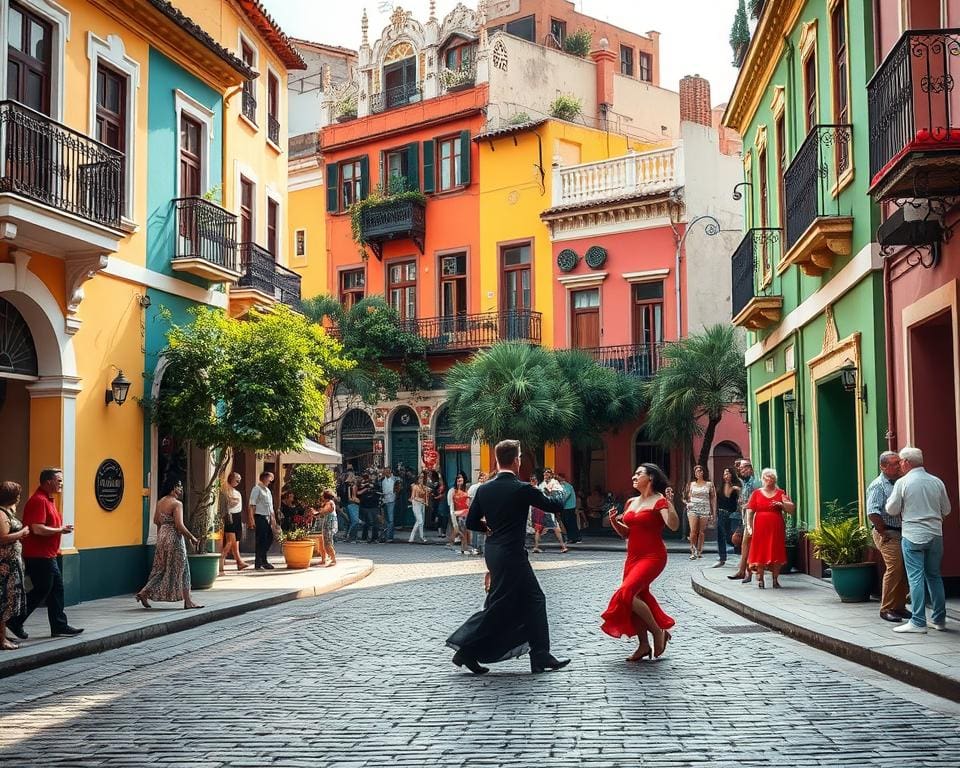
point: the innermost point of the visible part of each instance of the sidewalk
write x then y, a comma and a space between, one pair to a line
117, 621
808, 609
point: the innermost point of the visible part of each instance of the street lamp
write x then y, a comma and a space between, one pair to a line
711, 228
119, 388
744, 412
848, 376
790, 402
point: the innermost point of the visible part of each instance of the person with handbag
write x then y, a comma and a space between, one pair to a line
231, 508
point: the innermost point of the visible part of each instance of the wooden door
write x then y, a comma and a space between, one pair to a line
190, 157
585, 319
28, 58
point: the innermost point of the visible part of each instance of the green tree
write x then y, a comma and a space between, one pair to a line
699, 379
578, 43
257, 385
512, 390
740, 34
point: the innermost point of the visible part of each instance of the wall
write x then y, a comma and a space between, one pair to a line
306, 89
306, 202
646, 112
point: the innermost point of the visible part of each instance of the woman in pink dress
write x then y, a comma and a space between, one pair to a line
633, 610
764, 518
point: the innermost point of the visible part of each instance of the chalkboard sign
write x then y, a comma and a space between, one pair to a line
108, 485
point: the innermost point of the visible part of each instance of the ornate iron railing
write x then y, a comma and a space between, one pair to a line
755, 257
273, 129
469, 332
641, 360
457, 79
205, 231
912, 99
57, 166
248, 104
812, 177
392, 220
261, 272
398, 96
288, 286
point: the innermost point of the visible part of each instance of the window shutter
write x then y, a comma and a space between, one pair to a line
465, 157
428, 172
364, 177
333, 176
413, 165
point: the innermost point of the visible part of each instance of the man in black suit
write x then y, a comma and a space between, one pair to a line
514, 617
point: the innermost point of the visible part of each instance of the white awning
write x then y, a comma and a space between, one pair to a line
313, 453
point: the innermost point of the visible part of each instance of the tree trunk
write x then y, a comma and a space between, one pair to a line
708, 434
199, 523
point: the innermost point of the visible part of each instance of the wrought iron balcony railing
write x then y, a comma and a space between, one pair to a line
914, 107
393, 220
463, 333
753, 261
51, 164
260, 272
205, 231
248, 104
398, 96
458, 79
273, 129
813, 176
641, 360
288, 287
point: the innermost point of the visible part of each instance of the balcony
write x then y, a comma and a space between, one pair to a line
248, 103
641, 360
393, 220
468, 333
453, 80
752, 304
392, 98
263, 283
915, 117
206, 240
634, 175
273, 129
816, 232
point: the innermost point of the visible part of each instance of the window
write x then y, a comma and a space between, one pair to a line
111, 116
517, 282
400, 83
459, 57
449, 162
646, 67
626, 60
350, 186
273, 108
352, 284
29, 57
841, 96
249, 102
273, 217
191, 132
648, 314
525, 28
453, 285
246, 210
810, 91
300, 243
781, 137
402, 289
395, 168
585, 319
558, 29
764, 201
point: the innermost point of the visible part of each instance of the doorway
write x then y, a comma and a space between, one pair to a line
724, 454
356, 440
454, 456
404, 455
837, 457
18, 367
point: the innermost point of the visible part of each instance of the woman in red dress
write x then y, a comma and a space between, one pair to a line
764, 517
633, 610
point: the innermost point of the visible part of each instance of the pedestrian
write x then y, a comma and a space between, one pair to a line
290, 510
418, 501
458, 513
727, 500
701, 501
764, 521
13, 596
42, 557
389, 486
920, 500
478, 539
326, 517
231, 513
169, 579
749, 484
440, 506
352, 501
570, 522
262, 519
369, 508
542, 520
633, 610
514, 617
886, 538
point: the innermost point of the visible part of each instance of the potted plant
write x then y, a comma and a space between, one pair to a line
842, 544
297, 544
346, 108
457, 79
308, 482
792, 541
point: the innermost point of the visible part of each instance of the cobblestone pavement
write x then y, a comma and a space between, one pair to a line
362, 678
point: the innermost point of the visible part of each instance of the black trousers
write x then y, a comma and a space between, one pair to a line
47, 586
570, 523
370, 518
264, 538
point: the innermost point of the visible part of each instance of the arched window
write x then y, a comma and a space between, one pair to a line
646, 450
18, 355
400, 84
356, 439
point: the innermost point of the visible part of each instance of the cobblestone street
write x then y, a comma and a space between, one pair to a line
362, 678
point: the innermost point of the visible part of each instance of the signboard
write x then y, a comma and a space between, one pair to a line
456, 447
378, 447
108, 485
429, 455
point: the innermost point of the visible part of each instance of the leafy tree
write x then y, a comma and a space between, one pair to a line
309, 481
578, 43
700, 378
512, 390
739, 34
257, 385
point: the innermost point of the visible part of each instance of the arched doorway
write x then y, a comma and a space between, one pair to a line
404, 458
646, 450
724, 454
18, 368
356, 439
454, 455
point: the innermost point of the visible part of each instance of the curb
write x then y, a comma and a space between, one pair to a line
190, 621
901, 670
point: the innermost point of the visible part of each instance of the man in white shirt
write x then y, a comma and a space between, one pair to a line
261, 519
389, 485
920, 501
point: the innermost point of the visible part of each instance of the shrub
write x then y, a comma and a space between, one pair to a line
579, 43
841, 543
566, 107
519, 119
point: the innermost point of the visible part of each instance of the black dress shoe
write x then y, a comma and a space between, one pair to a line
462, 660
66, 631
18, 630
268, 566
890, 616
549, 662
903, 613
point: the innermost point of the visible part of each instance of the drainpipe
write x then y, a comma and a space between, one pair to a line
224, 154
891, 370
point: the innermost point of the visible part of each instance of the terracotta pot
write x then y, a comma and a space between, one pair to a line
298, 554
317, 539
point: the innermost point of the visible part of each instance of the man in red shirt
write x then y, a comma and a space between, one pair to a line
41, 557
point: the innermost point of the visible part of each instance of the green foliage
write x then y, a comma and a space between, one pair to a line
258, 384
520, 118
297, 533
396, 191
214, 194
309, 481
579, 43
739, 34
346, 106
841, 543
756, 8
834, 512
566, 107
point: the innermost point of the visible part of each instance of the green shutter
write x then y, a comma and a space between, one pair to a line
465, 157
364, 177
332, 179
413, 165
428, 172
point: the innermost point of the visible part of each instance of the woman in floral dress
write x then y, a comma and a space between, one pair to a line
13, 598
170, 576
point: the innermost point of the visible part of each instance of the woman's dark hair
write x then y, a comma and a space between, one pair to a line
167, 486
706, 473
461, 476
9, 493
733, 477
657, 477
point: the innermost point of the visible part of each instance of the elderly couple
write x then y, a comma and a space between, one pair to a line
906, 505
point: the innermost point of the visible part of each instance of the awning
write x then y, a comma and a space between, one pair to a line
312, 453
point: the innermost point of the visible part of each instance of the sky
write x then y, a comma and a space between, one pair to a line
693, 32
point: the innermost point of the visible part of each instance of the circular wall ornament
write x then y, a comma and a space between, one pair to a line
567, 259
596, 256
108, 485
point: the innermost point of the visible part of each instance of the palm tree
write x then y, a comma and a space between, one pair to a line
700, 378
511, 390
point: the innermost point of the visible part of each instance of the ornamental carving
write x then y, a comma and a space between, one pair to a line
500, 56
399, 52
567, 259
596, 256
460, 21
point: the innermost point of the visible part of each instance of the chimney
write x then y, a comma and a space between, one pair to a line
695, 100
605, 59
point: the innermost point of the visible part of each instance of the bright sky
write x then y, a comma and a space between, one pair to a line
693, 32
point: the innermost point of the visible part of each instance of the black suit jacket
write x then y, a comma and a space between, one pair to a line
505, 502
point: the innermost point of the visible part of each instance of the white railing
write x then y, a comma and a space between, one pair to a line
642, 173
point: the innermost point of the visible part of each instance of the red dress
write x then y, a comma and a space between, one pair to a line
769, 543
646, 559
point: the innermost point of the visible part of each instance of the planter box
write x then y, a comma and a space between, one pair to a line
203, 570
853, 583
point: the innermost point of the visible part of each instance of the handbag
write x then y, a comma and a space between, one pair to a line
736, 538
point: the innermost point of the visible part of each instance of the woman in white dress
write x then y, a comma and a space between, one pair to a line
701, 509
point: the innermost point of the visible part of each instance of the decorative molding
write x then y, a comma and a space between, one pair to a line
761, 138
55, 386
134, 273
831, 337
77, 270
601, 220
808, 37
591, 280
777, 104
646, 275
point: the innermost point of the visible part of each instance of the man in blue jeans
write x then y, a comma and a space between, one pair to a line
920, 501
389, 485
